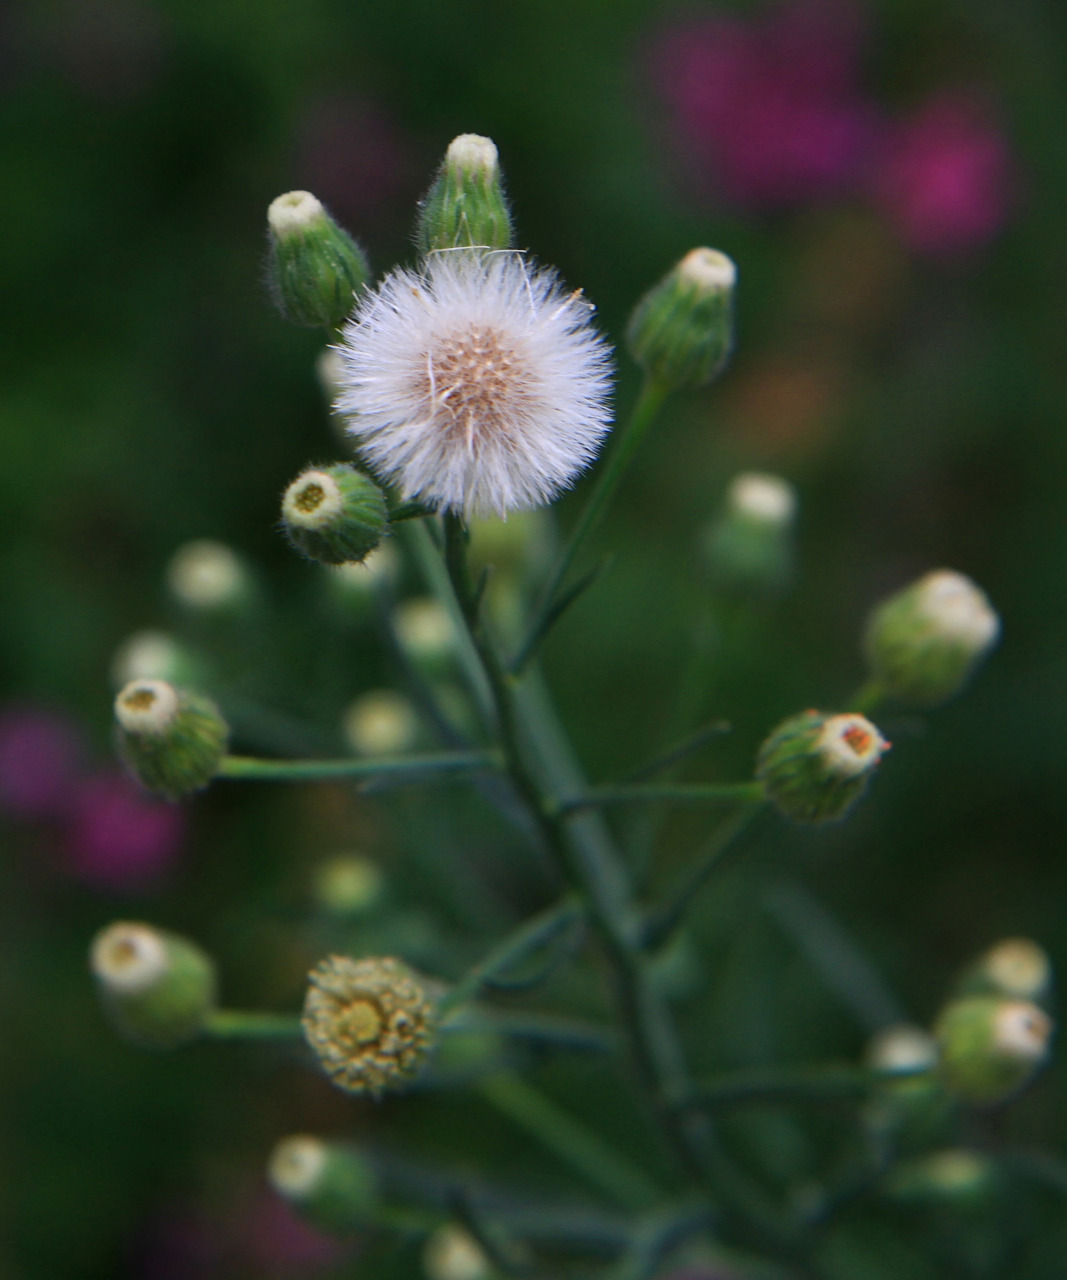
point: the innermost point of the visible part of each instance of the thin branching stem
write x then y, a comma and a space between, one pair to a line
418, 767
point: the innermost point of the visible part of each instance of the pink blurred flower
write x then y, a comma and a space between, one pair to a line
771, 111
944, 175
39, 754
118, 837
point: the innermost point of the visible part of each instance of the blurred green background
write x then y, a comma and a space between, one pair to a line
151, 395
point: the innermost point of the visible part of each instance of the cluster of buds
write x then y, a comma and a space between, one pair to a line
172, 741
157, 988
814, 767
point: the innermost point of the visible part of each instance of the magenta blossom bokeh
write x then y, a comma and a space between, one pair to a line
772, 113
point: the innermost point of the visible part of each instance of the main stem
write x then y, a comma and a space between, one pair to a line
586, 869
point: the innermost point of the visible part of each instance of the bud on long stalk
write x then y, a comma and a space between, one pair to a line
815, 767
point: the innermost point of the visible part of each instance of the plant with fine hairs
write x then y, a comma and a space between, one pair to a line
474, 383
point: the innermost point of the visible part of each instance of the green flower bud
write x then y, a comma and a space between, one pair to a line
815, 767
465, 207
682, 331
749, 547
315, 269
923, 643
990, 1047
1016, 968
329, 1183
370, 1022
954, 1176
157, 988
170, 740
335, 515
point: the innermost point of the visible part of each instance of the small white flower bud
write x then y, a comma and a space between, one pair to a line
465, 206
330, 1183
849, 745
348, 885
472, 153
335, 515
708, 270
1017, 967
453, 1254
815, 767
315, 268
902, 1047
147, 707
764, 498
157, 987
293, 212
297, 1165
1021, 1031
207, 575
380, 723
424, 629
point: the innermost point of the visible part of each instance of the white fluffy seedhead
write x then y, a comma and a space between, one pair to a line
850, 745
476, 386
147, 708
129, 958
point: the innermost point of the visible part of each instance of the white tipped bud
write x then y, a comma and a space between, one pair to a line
902, 1047
424, 628
313, 501
148, 707
294, 211
207, 575
296, 1166
850, 745
957, 610
1017, 967
380, 723
765, 499
128, 958
453, 1254
1021, 1031
471, 153
708, 270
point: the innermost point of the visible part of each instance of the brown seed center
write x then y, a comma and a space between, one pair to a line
310, 497
361, 1023
472, 379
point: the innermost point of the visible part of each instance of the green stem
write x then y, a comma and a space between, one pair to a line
529, 938
644, 413
441, 762
867, 698
236, 1024
663, 920
786, 1084
566, 1033
586, 1152
696, 792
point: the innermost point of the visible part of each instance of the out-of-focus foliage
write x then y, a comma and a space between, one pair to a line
150, 396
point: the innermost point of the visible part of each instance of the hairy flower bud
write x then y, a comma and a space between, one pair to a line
814, 767
923, 643
370, 1022
329, 1183
170, 740
682, 330
465, 206
990, 1046
336, 515
157, 987
315, 269
749, 546
1016, 967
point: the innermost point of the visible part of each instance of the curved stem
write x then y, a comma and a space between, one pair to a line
644, 413
249, 769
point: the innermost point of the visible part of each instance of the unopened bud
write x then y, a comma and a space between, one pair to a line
380, 723
329, 1183
954, 1176
749, 546
990, 1047
452, 1253
923, 643
348, 885
681, 332
335, 515
370, 1022
1017, 968
170, 740
465, 206
902, 1048
814, 767
315, 268
208, 577
157, 987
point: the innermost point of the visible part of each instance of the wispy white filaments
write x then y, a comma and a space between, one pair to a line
478, 385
